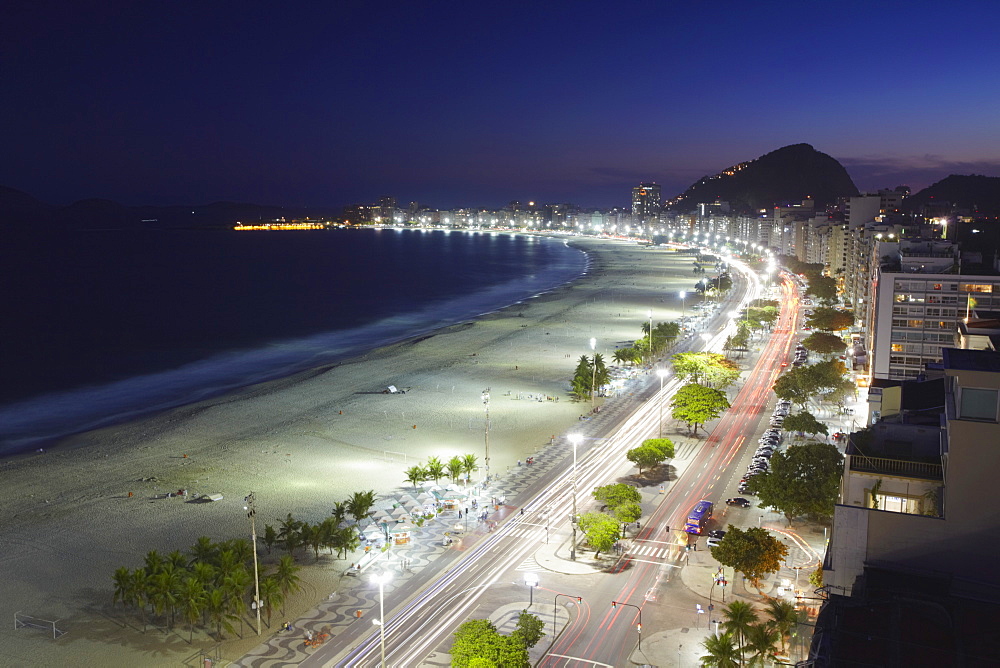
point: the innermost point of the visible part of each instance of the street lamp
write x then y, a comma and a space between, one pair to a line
486, 402
251, 512
531, 580
662, 374
615, 604
575, 440
593, 374
682, 295
381, 579
650, 314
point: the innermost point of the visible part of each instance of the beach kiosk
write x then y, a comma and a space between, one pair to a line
401, 533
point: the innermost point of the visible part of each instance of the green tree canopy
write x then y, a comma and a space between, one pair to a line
616, 494
530, 629
824, 343
696, 404
753, 552
478, 640
824, 288
627, 355
704, 368
590, 374
806, 423
652, 452
601, 531
830, 319
804, 480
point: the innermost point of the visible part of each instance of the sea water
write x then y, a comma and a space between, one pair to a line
101, 327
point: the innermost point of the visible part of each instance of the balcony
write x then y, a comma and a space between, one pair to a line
896, 467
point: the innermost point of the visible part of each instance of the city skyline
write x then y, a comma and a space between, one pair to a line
331, 106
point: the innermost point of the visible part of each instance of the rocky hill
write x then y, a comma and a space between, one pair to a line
972, 193
787, 175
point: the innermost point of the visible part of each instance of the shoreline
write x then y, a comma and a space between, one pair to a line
14, 443
301, 443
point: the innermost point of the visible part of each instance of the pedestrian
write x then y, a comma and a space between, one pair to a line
522, 511
518, 462
459, 513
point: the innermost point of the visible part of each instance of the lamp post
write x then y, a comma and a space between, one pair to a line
531, 580
593, 374
251, 512
486, 402
662, 374
650, 314
381, 580
575, 440
615, 604
683, 295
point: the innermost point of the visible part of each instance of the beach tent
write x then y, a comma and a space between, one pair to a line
399, 513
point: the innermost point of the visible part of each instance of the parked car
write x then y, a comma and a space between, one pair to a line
712, 542
738, 501
717, 533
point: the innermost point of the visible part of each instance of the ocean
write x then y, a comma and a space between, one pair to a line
105, 326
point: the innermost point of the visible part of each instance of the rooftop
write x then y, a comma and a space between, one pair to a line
971, 360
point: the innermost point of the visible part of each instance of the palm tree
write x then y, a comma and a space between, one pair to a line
469, 465
270, 537
416, 474
154, 561
339, 512
289, 533
722, 652
138, 592
360, 504
123, 584
191, 598
203, 572
782, 618
270, 596
241, 549
286, 576
234, 589
177, 560
163, 593
228, 563
217, 607
435, 469
761, 641
740, 617
203, 550
454, 468
314, 535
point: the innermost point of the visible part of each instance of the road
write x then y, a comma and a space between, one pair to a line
425, 614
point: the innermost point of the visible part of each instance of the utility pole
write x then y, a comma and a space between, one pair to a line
251, 513
486, 402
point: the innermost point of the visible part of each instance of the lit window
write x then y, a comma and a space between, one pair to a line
978, 404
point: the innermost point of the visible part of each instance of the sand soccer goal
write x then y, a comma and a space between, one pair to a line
23, 621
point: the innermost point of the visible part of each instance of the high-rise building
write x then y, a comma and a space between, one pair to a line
646, 200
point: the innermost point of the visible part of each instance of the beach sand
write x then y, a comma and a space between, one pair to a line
88, 505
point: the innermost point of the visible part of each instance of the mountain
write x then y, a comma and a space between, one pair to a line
787, 175
973, 193
20, 210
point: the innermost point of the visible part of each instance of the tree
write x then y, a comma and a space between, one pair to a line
416, 474
761, 641
454, 467
361, 503
795, 386
627, 355
722, 651
290, 533
218, 610
830, 319
286, 575
530, 629
696, 405
823, 288
138, 593
739, 617
753, 552
824, 343
652, 452
123, 584
805, 423
804, 480
434, 469
601, 531
616, 494
270, 596
782, 617
627, 513
192, 599
203, 550
582, 381
469, 465
478, 643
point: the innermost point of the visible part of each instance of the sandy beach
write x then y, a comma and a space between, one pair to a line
95, 502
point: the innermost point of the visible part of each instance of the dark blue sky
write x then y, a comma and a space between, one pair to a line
477, 103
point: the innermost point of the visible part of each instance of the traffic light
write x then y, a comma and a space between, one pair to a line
614, 604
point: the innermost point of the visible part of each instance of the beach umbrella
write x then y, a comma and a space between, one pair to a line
406, 498
424, 497
399, 513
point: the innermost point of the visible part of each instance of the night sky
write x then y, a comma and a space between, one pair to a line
478, 103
